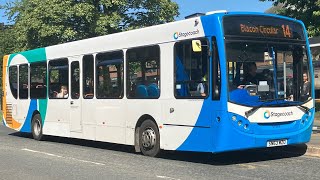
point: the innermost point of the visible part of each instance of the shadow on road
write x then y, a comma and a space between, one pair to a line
238, 157
220, 159
80, 142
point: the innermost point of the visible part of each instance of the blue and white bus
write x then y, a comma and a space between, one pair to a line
180, 86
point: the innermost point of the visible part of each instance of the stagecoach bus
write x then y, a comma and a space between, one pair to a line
185, 86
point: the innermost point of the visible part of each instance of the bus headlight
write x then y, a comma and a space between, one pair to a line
234, 118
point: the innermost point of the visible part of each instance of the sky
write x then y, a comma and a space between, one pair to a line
187, 7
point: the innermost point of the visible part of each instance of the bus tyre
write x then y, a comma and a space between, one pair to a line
149, 138
37, 127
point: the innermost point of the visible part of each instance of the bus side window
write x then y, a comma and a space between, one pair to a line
38, 80
143, 72
58, 78
23, 81
191, 70
13, 81
216, 73
109, 75
75, 80
88, 76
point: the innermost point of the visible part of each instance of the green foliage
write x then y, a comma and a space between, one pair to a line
7, 43
318, 107
307, 11
40, 23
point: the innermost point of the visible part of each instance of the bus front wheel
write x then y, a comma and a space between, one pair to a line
37, 127
149, 138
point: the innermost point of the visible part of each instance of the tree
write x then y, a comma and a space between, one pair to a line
7, 42
40, 23
307, 11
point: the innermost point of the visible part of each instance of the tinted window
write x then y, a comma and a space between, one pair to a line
58, 75
143, 72
13, 80
23, 81
75, 80
191, 70
109, 70
88, 76
38, 80
216, 73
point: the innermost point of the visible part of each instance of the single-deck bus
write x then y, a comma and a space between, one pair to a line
217, 82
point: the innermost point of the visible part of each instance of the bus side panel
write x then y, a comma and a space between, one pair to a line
136, 108
12, 114
18, 112
57, 121
110, 120
4, 89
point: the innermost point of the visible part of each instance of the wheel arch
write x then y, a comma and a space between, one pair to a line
137, 129
37, 135
34, 113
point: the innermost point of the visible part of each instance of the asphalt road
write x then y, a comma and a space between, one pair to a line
21, 157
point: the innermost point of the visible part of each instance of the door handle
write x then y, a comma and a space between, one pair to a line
71, 102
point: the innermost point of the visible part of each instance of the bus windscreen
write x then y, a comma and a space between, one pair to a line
262, 27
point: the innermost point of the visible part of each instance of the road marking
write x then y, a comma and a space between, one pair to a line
261, 165
57, 156
49, 154
247, 166
166, 177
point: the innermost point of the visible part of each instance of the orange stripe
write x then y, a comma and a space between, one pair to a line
4, 97
15, 124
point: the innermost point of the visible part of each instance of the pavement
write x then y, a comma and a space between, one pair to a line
313, 147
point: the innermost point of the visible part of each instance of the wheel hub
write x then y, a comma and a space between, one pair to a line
37, 127
148, 138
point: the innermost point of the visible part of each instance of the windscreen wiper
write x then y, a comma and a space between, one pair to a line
254, 109
304, 109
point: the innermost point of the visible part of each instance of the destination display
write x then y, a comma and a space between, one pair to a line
262, 26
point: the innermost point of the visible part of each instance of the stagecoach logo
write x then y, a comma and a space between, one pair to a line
269, 114
177, 35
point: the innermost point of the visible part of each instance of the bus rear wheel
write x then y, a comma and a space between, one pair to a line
149, 138
37, 127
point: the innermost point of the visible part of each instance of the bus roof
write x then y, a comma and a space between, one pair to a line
141, 37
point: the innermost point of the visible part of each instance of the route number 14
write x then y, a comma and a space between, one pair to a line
286, 31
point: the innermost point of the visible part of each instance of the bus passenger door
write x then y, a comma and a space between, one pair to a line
75, 101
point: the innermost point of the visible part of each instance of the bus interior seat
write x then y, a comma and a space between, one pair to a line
153, 90
88, 96
141, 91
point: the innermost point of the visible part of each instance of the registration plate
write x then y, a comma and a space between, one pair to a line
275, 143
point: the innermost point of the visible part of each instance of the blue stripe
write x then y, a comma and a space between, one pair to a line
27, 123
